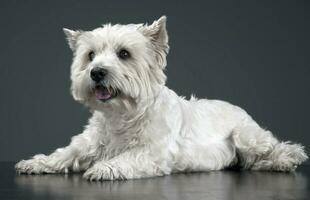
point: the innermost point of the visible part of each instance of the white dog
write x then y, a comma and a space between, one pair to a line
140, 128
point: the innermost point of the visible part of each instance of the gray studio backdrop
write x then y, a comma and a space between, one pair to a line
251, 53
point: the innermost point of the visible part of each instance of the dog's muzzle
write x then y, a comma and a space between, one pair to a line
101, 91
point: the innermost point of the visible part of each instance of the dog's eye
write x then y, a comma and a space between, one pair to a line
91, 56
123, 54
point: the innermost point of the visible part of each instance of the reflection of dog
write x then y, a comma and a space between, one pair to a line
140, 128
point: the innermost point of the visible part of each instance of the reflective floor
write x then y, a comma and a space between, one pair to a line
212, 185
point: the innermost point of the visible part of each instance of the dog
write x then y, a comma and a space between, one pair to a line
140, 128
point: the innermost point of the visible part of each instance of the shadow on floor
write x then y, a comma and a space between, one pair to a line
212, 185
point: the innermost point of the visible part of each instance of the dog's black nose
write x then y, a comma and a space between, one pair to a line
98, 74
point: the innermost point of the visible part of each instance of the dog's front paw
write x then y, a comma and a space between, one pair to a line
33, 166
103, 171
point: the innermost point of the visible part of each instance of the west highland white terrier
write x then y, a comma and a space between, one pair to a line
140, 128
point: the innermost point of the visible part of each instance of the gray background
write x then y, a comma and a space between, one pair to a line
252, 53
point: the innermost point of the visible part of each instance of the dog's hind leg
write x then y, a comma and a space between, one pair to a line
258, 149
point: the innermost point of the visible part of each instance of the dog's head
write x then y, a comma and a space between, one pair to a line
118, 64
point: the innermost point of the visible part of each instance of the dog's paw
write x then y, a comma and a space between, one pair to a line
103, 171
285, 157
33, 166
288, 156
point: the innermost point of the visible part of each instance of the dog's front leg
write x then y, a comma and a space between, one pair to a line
132, 164
76, 156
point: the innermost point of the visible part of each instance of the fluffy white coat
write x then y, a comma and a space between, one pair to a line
147, 130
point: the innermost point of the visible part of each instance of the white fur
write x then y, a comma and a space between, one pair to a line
148, 130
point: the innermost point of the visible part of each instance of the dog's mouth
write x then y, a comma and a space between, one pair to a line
104, 93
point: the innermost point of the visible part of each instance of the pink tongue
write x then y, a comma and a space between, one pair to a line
102, 93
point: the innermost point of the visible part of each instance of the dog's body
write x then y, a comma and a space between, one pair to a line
140, 128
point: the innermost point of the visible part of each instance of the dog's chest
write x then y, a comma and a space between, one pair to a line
116, 138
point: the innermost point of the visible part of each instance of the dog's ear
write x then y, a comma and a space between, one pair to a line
72, 37
157, 33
